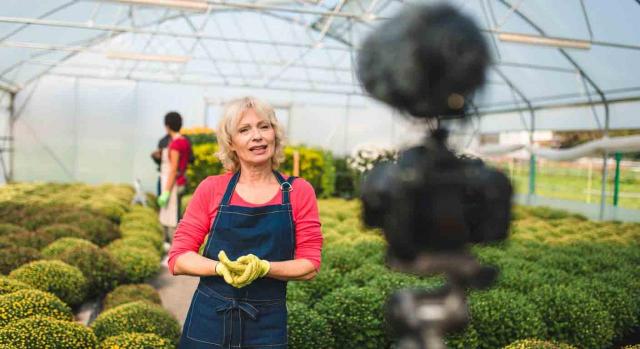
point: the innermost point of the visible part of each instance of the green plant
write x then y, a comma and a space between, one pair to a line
32, 239
131, 293
138, 316
311, 165
206, 164
348, 257
101, 270
346, 179
10, 229
100, 230
56, 248
29, 302
43, 332
537, 344
152, 237
501, 316
63, 230
9, 285
573, 316
138, 264
13, 257
386, 281
57, 277
326, 281
134, 241
328, 180
135, 341
354, 314
307, 329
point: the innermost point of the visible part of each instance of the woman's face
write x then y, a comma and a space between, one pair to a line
254, 139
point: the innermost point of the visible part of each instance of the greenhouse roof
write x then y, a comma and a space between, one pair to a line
547, 54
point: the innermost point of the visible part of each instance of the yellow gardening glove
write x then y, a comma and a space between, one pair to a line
222, 270
255, 268
235, 267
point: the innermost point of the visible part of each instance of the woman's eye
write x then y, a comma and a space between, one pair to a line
243, 130
264, 127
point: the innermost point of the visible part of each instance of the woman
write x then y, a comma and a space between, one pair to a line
253, 214
173, 166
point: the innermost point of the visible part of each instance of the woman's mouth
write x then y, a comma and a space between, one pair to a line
258, 149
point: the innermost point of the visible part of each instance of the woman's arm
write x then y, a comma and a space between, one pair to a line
297, 269
174, 157
191, 263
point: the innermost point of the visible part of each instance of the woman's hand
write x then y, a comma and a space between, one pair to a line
245, 270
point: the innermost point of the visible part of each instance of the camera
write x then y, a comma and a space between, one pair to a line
427, 62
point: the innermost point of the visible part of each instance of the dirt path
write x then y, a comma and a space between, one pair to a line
175, 291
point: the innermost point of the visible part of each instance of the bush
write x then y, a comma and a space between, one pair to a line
8, 285
307, 329
387, 281
31, 239
619, 301
468, 338
136, 341
574, 317
60, 246
501, 316
206, 164
43, 332
29, 302
102, 271
100, 230
311, 165
134, 241
326, 281
131, 293
13, 257
138, 264
10, 229
63, 230
152, 237
346, 257
59, 278
137, 317
354, 314
537, 344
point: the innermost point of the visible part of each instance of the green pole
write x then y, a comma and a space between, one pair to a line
532, 174
616, 183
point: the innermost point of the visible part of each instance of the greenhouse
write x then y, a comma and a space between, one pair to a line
126, 221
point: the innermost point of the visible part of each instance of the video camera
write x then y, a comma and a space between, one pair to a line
427, 61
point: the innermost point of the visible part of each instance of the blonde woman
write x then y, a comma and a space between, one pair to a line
263, 230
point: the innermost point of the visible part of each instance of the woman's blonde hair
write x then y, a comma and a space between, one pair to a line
227, 127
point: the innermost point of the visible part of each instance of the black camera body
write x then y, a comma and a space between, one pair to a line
435, 201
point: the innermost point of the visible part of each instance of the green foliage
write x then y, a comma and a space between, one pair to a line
102, 271
347, 179
99, 230
307, 329
206, 164
537, 344
25, 303
328, 180
31, 239
355, 317
311, 165
131, 293
346, 257
9, 285
573, 316
140, 317
499, 316
136, 341
40, 332
138, 264
10, 229
59, 278
134, 241
13, 257
386, 281
56, 248
152, 237
63, 230
326, 281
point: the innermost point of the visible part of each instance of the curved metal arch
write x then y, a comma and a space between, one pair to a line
565, 54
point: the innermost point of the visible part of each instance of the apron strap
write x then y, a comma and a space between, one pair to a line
285, 186
230, 188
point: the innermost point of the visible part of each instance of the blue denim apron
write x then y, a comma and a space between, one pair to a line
255, 316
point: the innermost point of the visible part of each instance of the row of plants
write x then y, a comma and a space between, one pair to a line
565, 282
63, 249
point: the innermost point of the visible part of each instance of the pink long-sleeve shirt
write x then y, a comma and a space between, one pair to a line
203, 207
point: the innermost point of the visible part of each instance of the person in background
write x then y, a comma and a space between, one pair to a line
266, 222
173, 168
157, 158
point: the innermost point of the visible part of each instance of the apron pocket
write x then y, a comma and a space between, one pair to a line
206, 325
269, 329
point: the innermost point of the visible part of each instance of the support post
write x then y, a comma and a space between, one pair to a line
532, 160
12, 119
603, 189
616, 183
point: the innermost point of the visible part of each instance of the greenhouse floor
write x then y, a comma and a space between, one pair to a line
175, 291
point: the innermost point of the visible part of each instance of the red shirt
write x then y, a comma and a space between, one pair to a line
202, 210
183, 147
